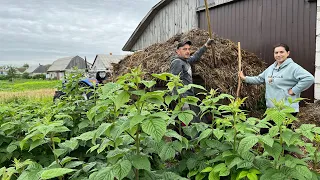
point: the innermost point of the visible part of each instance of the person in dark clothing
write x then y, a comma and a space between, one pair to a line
102, 76
181, 65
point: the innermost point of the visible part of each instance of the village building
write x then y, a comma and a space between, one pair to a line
61, 66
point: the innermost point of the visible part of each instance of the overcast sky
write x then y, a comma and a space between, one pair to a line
40, 31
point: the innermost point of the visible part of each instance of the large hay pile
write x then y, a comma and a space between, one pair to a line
156, 59
310, 114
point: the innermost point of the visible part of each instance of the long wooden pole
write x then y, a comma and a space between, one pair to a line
210, 32
239, 66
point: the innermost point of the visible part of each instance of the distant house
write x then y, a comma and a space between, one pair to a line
37, 69
103, 62
20, 70
4, 72
61, 66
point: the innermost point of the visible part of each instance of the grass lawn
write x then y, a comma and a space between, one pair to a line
28, 89
28, 84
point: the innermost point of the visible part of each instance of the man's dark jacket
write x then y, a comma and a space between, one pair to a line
182, 66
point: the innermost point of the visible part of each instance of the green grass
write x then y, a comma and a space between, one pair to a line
28, 84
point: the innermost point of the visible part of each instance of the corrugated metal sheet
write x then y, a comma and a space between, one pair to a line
260, 24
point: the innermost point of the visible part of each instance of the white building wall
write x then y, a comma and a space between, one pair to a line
317, 71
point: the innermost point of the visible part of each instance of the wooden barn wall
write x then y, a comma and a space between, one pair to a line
178, 16
260, 24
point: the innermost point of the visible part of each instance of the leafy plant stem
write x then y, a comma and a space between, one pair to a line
54, 148
235, 132
315, 162
138, 150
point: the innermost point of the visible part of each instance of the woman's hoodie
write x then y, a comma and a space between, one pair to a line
278, 80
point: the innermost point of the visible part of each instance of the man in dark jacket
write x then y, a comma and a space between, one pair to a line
180, 64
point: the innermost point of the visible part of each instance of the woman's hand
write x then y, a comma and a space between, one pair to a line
290, 92
242, 76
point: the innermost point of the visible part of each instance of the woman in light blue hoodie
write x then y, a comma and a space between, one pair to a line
283, 79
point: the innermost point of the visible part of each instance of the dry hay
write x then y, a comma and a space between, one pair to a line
310, 114
156, 59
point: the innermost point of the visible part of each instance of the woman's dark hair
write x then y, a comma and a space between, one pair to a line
286, 47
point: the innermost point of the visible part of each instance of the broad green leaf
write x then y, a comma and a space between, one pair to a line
122, 169
69, 144
200, 176
110, 88
207, 169
149, 84
141, 162
66, 160
186, 117
86, 136
161, 115
56, 172
83, 124
162, 76
205, 134
73, 164
252, 176
11, 147
170, 86
174, 134
32, 172
273, 131
103, 174
136, 120
171, 176
168, 100
116, 152
262, 163
102, 128
167, 152
267, 139
93, 148
192, 173
275, 150
45, 129
242, 174
36, 143
61, 129
218, 133
305, 171
156, 128
213, 176
247, 143
307, 127
121, 99
59, 152
219, 167
235, 162
87, 167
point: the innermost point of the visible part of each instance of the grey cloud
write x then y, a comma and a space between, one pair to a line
34, 30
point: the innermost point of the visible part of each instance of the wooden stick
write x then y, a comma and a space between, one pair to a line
239, 66
210, 32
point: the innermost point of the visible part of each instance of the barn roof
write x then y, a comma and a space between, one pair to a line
108, 59
153, 12
60, 64
144, 24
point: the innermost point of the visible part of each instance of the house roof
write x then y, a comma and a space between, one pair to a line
31, 69
144, 24
60, 64
108, 59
